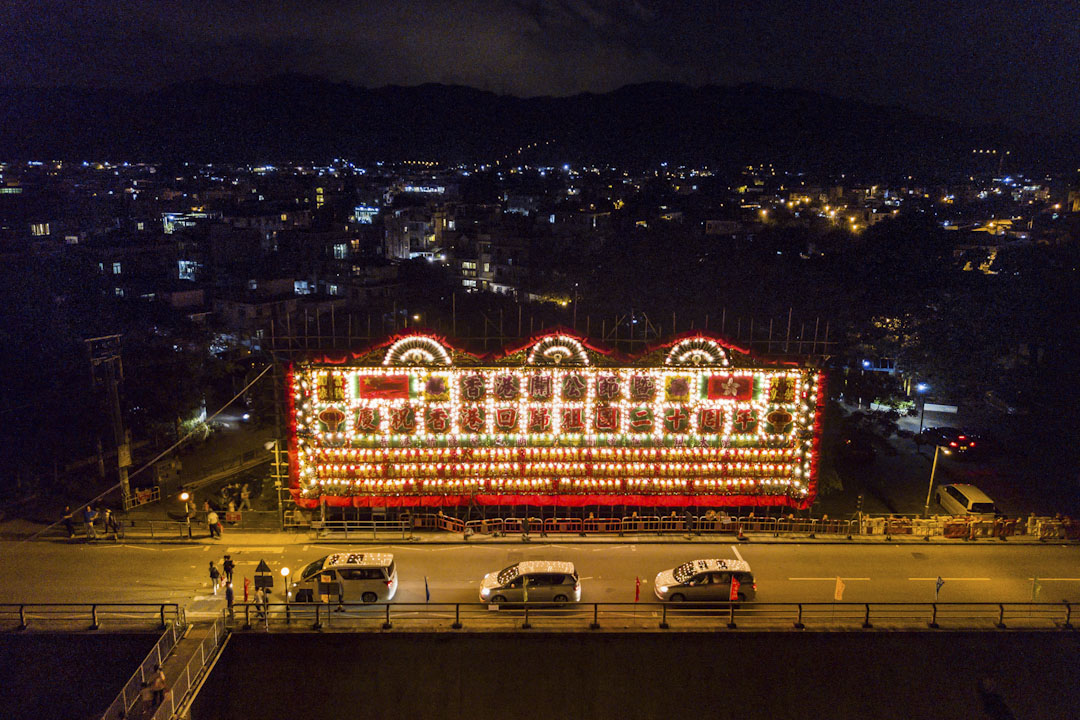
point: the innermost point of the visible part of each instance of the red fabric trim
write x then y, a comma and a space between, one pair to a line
290, 440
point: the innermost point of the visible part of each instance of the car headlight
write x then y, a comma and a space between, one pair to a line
663, 588
484, 592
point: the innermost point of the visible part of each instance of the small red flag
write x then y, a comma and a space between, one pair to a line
637, 589
734, 588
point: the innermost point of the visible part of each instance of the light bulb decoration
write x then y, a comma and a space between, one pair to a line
697, 422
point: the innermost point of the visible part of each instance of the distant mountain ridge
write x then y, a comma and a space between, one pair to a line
298, 118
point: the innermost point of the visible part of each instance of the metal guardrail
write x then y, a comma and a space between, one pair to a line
656, 616
184, 683
132, 690
357, 529
89, 615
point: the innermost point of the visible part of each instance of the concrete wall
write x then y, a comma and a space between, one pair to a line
66, 676
661, 675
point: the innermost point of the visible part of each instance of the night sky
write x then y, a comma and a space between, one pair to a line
1015, 61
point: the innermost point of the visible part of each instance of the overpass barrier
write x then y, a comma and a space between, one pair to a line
648, 616
82, 616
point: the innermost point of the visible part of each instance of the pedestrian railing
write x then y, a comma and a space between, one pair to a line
183, 685
643, 616
131, 692
359, 529
54, 616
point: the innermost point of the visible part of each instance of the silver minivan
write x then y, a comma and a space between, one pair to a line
348, 577
706, 581
966, 500
532, 581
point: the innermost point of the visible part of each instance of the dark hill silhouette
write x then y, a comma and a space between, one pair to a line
297, 118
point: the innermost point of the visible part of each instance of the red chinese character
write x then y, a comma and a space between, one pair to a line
573, 420
472, 387
607, 418
539, 419
403, 419
438, 420
641, 420
607, 387
745, 420
506, 418
472, 419
676, 420
711, 421
573, 387
506, 387
642, 387
367, 420
540, 387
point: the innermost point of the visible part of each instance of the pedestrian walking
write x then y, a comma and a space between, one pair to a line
88, 520
68, 524
257, 599
215, 576
229, 598
227, 566
245, 497
212, 523
110, 525
157, 683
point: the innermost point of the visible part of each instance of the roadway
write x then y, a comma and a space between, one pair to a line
128, 572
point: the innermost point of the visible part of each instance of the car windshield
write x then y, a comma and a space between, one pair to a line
507, 574
982, 507
312, 568
684, 572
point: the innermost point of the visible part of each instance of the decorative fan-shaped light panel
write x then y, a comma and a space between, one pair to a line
697, 351
558, 350
417, 350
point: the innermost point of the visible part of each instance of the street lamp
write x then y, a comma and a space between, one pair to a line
285, 574
921, 388
933, 469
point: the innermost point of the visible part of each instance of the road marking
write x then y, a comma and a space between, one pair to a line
205, 548
304, 549
737, 553
255, 548
1056, 579
952, 579
830, 579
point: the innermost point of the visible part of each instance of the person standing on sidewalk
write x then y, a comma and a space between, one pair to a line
110, 525
229, 598
212, 523
88, 520
227, 566
68, 524
215, 577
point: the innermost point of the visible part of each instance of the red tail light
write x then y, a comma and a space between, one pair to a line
754, 585
953, 444
971, 444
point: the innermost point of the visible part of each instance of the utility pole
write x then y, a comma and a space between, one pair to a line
105, 353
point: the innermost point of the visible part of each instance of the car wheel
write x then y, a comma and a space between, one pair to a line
369, 597
677, 597
560, 599
498, 600
303, 596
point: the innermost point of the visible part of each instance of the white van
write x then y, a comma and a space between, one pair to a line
348, 577
966, 500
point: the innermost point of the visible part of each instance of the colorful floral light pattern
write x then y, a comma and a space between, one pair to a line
560, 428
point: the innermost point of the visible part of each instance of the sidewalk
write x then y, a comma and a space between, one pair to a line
241, 538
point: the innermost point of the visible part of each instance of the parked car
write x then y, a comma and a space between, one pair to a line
952, 439
365, 576
965, 500
706, 581
532, 581
1008, 403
